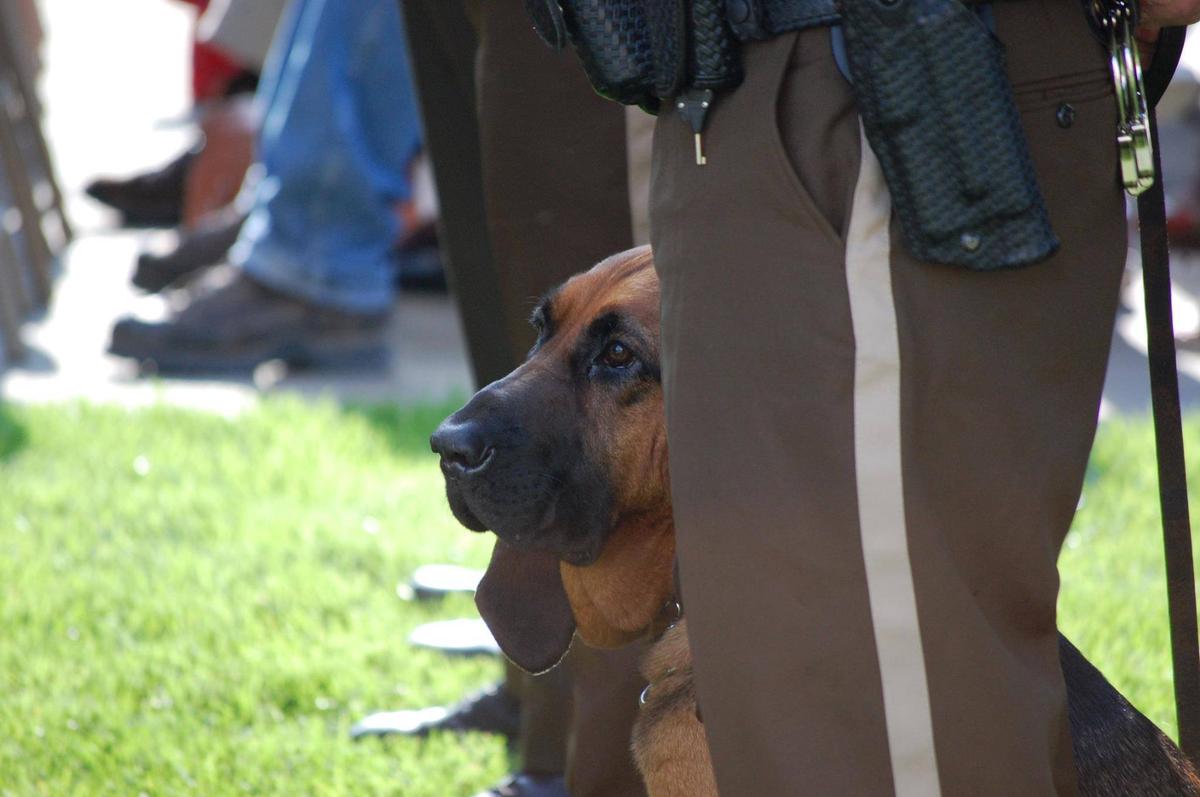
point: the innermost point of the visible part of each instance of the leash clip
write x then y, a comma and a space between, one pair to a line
1117, 19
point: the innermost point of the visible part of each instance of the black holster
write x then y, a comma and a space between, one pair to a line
930, 82
932, 90
642, 52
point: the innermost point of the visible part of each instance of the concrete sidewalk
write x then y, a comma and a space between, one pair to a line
117, 74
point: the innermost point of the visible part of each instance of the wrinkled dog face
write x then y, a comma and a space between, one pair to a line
553, 455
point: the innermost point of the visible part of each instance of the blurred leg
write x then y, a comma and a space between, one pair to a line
554, 171
607, 684
540, 135
442, 46
545, 135
339, 132
545, 718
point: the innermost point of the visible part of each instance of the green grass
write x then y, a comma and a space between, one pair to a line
1113, 602
196, 605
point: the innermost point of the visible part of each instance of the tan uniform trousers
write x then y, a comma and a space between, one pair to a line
531, 173
874, 460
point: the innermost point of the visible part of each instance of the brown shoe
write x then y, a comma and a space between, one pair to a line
229, 322
198, 249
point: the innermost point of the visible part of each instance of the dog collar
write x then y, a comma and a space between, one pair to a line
667, 618
645, 695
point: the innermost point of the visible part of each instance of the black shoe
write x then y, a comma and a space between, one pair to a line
244, 82
229, 322
154, 199
492, 710
199, 249
461, 637
527, 785
420, 270
418, 261
437, 581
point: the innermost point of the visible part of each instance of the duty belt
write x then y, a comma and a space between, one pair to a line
760, 19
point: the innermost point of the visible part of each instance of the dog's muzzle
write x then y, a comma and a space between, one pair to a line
534, 489
463, 449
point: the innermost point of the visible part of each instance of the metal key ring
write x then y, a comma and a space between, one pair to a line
1134, 143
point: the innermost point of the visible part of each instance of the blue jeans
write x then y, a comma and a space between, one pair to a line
340, 128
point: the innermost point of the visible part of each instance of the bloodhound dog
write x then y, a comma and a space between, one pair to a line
565, 460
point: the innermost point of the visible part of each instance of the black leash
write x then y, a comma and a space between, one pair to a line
1168, 425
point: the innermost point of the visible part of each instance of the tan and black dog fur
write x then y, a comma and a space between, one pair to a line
565, 459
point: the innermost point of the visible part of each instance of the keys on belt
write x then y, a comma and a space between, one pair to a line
1117, 20
693, 106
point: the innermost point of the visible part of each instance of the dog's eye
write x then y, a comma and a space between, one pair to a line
616, 355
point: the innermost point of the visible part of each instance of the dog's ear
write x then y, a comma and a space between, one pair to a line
521, 598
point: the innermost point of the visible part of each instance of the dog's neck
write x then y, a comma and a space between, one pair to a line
616, 598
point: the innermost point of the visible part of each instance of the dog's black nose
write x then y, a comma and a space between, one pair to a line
462, 446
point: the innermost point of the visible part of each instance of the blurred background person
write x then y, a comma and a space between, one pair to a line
209, 219
155, 198
311, 277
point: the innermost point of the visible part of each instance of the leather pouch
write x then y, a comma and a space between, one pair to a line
937, 108
640, 52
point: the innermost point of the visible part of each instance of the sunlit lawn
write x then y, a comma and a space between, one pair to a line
196, 605
1113, 603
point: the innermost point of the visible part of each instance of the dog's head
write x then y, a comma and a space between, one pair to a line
565, 459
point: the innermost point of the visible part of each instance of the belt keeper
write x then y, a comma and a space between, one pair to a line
747, 19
